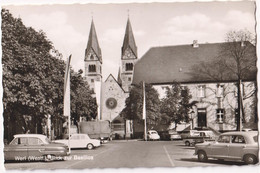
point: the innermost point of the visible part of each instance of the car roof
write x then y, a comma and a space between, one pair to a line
240, 133
30, 135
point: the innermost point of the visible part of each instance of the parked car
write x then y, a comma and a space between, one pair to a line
241, 146
80, 141
174, 135
186, 134
34, 147
199, 137
153, 135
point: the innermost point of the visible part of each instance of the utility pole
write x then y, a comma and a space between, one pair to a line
144, 112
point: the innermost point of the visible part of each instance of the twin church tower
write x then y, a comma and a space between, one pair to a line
113, 92
93, 58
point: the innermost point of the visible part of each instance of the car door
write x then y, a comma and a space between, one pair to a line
84, 140
236, 147
75, 141
17, 149
36, 148
220, 148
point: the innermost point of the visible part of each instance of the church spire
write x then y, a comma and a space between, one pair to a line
93, 42
129, 40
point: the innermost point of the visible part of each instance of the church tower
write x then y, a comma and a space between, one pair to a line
93, 59
128, 58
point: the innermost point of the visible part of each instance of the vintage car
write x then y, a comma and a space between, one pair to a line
199, 137
34, 147
80, 141
241, 146
153, 135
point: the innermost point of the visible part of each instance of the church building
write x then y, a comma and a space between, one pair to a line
113, 92
214, 97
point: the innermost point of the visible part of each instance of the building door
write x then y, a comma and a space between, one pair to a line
202, 118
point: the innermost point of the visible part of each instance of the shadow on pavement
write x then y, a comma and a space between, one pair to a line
211, 161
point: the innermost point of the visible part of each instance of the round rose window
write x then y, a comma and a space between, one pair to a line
111, 103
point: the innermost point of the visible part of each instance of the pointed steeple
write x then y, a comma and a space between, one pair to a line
129, 40
93, 42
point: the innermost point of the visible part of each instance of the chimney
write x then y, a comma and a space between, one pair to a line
195, 43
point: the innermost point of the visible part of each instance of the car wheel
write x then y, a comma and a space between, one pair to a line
90, 146
187, 143
250, 159
202, 156
48, 158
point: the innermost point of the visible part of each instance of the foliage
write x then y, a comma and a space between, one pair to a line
134, 104
33, 75
83, 104
176, 103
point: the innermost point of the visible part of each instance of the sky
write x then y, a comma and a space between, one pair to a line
154, 24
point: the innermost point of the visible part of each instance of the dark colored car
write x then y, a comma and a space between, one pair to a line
34, 147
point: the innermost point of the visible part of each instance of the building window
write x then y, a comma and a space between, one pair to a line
91, 57
220, 90
129, 66
92, 68
220, 115
129, 79
201, 91
92, 80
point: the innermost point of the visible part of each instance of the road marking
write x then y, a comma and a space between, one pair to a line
168, 156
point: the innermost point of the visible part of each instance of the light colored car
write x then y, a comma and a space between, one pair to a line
80, 141
34, 147
241, 146
199, 137
152, 135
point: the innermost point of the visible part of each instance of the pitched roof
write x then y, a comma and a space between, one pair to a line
129, 40
93, 42
111, 76
163, 65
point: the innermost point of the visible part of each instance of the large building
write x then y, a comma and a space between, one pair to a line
213, 88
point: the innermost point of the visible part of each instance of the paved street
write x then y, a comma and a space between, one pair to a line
126, 154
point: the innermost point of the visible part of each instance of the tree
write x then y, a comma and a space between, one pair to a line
33, 79
176, 103
83, 104
134, 104
241, 61
236, 61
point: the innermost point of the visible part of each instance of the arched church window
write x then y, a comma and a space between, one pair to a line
129, 66
92, 68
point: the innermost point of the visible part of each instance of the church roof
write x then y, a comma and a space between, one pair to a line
163, 65
129, 40
111, 76
93, 42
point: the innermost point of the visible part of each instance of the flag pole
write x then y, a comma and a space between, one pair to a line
66, 101
144, 112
